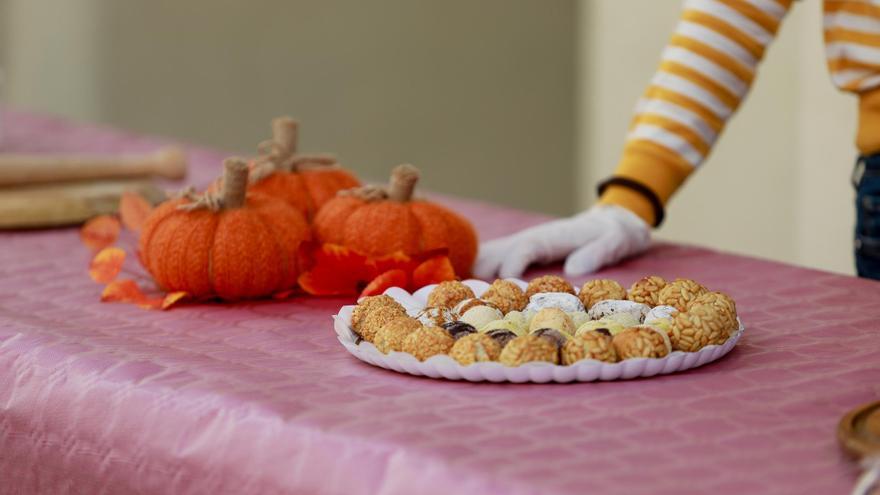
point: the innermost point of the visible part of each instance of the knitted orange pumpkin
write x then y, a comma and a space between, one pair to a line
306, 182
377, 222
227, 244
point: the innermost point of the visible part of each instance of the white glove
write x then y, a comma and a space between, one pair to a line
602, 235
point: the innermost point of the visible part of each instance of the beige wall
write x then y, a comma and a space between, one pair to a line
776, 183
521, 102
4, 37
477, 94
52, 54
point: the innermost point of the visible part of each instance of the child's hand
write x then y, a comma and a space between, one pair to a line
600, 236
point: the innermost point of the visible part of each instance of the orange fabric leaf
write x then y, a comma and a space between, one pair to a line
128, 291
336, 270
433, 271
386, 280
133, 210
397, 260
105, 266
173, 298
100, 232
123, 290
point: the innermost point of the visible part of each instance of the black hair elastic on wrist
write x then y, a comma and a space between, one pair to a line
659, 212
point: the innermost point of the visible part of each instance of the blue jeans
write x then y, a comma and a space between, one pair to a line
866, 180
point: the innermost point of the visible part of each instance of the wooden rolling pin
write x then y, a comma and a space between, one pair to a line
67, 203
19, 169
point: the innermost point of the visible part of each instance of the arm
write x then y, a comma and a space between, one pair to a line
705, 72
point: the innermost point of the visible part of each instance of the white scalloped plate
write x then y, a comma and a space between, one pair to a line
444, 366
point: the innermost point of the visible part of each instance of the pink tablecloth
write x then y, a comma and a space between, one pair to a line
261, 398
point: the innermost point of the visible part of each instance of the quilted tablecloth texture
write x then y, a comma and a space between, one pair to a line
260, 397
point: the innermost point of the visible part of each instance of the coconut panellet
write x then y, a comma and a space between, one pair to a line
463, 307
562, 300
375, 320
552, 318
548, 283
506, 296
367, 304
647, 290
529, 348
458, 329
503, 324
641, 341
594, 344
611, 308
698, 327
391, 336
600, 290
610, 326
372, 313
435, 316
480, 316
680, 293
428, 341
448, 294
475, 348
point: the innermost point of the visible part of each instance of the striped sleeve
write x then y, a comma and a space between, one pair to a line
705, 72
852, 44
852, 47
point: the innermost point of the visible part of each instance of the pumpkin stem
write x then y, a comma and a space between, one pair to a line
285, 133
403, 182
235, 178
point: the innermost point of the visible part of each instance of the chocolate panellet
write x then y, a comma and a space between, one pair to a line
557, 337
458, 329
502, 336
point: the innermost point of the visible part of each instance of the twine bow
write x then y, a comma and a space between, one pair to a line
231, 195
279, 154
400, 188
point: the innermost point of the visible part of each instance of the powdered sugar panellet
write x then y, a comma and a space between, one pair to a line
609, 307
564, 301
435, 316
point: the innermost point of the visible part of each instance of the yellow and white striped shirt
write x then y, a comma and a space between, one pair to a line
706, 71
